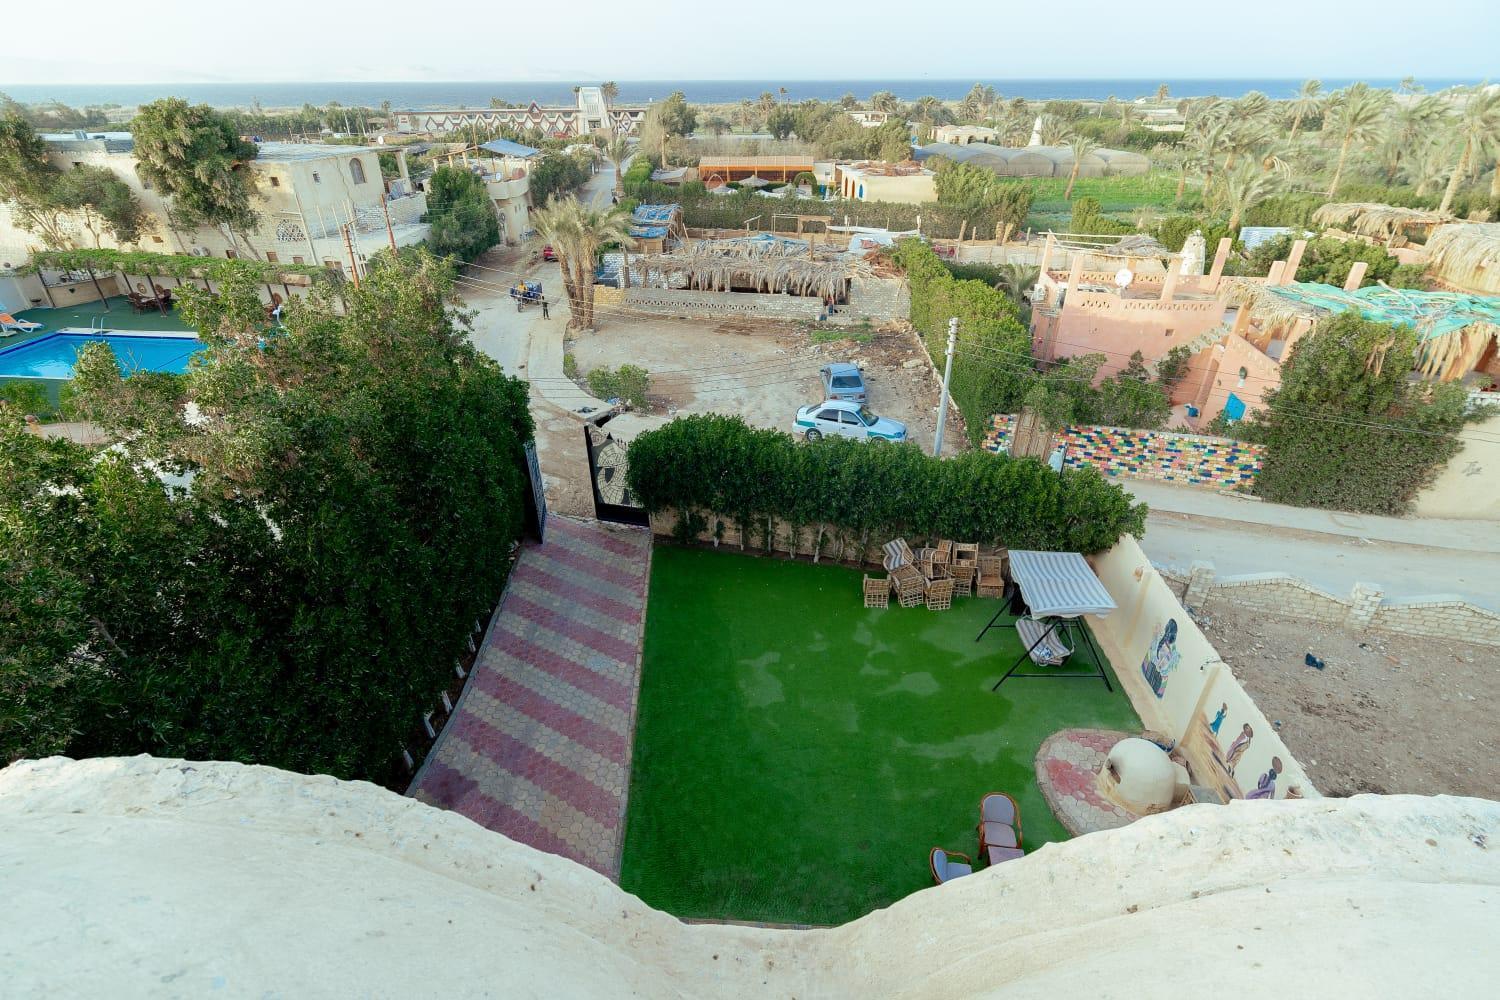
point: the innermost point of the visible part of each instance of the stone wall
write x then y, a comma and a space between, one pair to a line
709, 305
1364, 608
1189, 459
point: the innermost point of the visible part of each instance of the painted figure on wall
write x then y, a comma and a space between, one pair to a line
1162, 658
1265, 787
1238, 747
1213, 726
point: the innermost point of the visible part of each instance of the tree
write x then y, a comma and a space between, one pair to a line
1309, 101
1162, 93
1348, 428
1476, 133
1080, 146
266, 611
1356, 120
463, 220
672, 117
884, 100
577, 233
103, 202
893, 142
1016, 280
28, 181
610, 90
780, 123
1244, 189
617, 150
194, 157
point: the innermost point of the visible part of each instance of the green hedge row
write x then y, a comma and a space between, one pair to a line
765, 481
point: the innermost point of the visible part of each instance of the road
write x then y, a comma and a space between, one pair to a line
1408, 557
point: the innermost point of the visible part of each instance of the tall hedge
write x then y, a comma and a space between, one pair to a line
992, 365
765, 481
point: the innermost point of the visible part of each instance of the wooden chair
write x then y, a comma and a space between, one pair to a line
944, 869
963, 580
991, 582
999, 821
877, 592
940, 594
909, 585
966, 554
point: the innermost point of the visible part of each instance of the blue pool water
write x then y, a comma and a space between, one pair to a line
54, 355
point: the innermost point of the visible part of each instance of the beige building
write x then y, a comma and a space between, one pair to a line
307, 195
962, 135
904, 183
590, 114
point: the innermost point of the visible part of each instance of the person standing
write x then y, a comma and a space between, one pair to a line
544, 308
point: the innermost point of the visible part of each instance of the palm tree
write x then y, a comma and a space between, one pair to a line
1356, 119
1161, 93
610, 90
577, 232
1309, 101
616, 149
884, 100
1055, 131
1016, 280
1477, 132
1081, 146
1246, 188
1429, 166
1407, 126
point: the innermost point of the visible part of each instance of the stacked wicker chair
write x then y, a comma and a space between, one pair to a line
940, 594
877, 592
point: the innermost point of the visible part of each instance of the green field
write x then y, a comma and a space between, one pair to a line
797, 755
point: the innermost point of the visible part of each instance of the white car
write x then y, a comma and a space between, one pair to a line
837, 418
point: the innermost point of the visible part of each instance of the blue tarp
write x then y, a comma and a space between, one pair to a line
504, 147
648, 232
655, 213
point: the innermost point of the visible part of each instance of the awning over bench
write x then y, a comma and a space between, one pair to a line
1059, 583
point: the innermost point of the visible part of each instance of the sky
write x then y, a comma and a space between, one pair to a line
171, 41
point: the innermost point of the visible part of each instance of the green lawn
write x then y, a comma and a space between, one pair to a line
796, 755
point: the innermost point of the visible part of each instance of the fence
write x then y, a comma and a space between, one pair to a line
1192, 459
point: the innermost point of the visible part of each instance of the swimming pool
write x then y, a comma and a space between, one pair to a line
54, 355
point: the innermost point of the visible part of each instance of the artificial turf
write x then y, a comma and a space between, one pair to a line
797, 755
119, 316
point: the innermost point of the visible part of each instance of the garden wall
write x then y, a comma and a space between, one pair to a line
1440, 616
708, 305
1181, 687
1189, 459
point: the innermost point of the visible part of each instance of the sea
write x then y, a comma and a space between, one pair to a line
425, 95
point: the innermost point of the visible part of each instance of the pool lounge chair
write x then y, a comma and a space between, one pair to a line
9, 325
944, 869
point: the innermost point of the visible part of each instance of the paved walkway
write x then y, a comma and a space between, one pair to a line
1067, 771
538, 748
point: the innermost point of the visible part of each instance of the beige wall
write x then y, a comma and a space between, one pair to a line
1214, 373
1469, 485
912, 189
1178, 684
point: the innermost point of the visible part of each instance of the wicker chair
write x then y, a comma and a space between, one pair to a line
877, 592
940, 595
991, 582
933, 562
966, 554
963, 580
908, 585
897, 553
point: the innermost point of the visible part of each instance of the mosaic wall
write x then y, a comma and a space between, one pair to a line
1216, 463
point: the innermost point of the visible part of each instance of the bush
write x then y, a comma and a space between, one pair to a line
993, 360
866, 492
463, 220
628, 382
1343, 433
1088, 217
1328, 260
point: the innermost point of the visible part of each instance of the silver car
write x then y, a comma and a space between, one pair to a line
842, 380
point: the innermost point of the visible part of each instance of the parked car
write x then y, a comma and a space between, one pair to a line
842, 380
548, 253
839, 418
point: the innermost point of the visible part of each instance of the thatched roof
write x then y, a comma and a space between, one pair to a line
780, 266
1376, 221
1454, 328
1467, 255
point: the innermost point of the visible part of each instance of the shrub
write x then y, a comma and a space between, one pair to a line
1328, 260
463, 220
628, 382
758, 478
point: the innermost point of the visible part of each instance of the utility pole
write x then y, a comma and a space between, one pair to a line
388, 230
937, 441
354, 266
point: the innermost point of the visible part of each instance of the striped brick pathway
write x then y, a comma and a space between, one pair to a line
538, 747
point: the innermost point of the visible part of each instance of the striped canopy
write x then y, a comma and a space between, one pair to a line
1059, 583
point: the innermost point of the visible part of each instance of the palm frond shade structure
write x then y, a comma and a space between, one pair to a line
761, 265
1454, 328
1466, 256
1377, 221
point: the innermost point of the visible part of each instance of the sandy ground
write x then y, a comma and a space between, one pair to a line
764, 371
1387, 714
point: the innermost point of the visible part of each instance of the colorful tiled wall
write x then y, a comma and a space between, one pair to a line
1216, 463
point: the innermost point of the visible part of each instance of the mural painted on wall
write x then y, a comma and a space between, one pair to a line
1162, 658
1216, 463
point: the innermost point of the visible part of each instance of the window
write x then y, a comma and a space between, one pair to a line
270, 256
1244, 374
230, 254
868, 417
357, 171
317, 179
846, 382
156, 239
1169, 332
832, 416
275, 181
845, 417
297, 260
